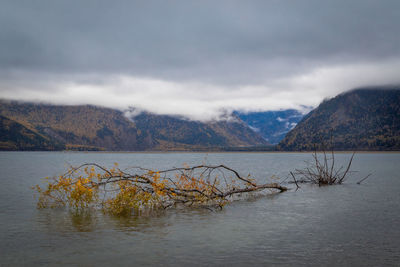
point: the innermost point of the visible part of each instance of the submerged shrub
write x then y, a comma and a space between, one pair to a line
121, 192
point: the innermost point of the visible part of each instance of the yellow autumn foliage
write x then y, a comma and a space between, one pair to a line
120, 192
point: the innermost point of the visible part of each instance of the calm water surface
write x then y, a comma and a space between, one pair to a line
348, 225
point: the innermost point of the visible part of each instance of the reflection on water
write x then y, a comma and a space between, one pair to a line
83, 221
153, 221
61, 220
351, 224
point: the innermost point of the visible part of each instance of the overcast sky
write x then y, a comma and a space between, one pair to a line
196, 58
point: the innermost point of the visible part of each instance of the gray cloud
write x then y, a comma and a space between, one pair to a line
233, 54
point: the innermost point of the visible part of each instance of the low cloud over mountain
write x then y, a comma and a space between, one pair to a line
196, 59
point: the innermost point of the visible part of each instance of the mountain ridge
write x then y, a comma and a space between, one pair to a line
88, 127
360, 119
272, 125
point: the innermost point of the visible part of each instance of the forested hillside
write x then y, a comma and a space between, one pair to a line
362, 119
15, 136
97, 128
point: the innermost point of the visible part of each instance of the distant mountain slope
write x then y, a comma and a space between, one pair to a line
98, 128
79, 127
272, 125
363, 119
176, 132
15, 136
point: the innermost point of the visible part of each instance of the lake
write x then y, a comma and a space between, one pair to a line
341, 225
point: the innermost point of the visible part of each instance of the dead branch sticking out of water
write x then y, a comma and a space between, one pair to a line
365, 178
322, 170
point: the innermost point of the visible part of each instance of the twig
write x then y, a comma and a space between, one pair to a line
363, 179
295, 181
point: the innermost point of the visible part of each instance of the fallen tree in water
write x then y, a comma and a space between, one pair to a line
121, 192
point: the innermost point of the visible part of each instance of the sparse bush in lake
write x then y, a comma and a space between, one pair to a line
322, 170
